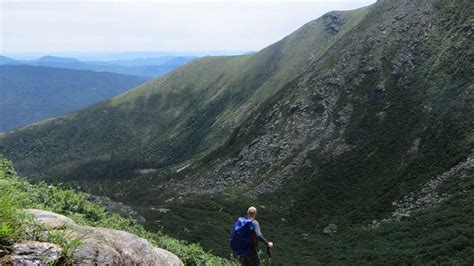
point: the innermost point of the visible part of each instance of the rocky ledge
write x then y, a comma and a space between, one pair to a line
429, 195
99, 246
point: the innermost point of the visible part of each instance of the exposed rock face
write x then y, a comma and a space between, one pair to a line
33, 253
429, 195
293, 130
333, 22
106, 246
314, 114
102, 246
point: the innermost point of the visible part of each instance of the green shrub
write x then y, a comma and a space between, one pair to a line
68, 243
10, 218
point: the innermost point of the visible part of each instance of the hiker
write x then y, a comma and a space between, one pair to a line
244, 239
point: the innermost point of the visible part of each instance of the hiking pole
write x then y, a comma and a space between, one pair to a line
269, 252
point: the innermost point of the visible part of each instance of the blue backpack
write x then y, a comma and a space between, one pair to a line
240, 239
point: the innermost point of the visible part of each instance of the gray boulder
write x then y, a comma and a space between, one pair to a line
333, 21
51, 220
330, 229
399, 216
102, 246
28, 253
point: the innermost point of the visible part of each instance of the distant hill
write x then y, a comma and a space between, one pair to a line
148, 67
7, 60
55, 59
32, 93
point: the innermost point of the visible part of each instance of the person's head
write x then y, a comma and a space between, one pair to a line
252, 212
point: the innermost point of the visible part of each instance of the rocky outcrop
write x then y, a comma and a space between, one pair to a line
333, 21
99, 246
429, 195
28, 253
330, 229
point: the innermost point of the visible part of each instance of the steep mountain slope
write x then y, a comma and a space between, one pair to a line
29, 94
176, 118
334, 124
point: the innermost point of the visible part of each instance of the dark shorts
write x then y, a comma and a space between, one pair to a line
251, 260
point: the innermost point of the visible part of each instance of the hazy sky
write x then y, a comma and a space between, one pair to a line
146, 25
